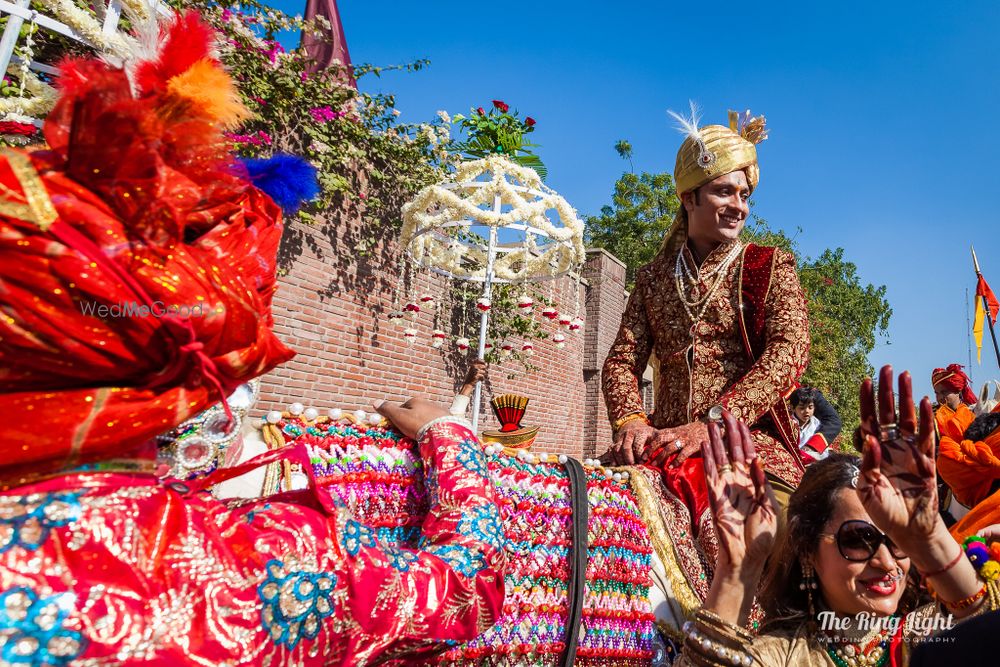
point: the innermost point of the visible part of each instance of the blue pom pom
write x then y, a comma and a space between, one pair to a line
287, 179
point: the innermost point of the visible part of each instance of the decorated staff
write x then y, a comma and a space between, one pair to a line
986, 302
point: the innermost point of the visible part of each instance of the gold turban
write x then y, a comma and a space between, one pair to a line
713, 150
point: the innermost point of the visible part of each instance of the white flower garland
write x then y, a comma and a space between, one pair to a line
39, 103
86, 24
469, 197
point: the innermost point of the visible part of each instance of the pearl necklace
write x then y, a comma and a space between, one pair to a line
685, 280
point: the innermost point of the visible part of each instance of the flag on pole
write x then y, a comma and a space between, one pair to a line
983, 290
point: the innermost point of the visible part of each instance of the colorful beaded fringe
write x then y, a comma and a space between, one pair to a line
377, 475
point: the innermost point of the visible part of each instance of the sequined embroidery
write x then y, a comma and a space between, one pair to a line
32, 630
294, 603
356, 536
472, 458
483, 523
26, 521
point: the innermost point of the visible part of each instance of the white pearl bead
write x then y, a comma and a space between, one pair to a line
295, 409
335, 413
563, 458
608, 474
310, 414
273, 417
617, 477
374, 419
360, 416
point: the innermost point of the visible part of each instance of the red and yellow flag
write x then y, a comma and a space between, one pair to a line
983, 290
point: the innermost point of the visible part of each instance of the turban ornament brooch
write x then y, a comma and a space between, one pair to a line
689, 126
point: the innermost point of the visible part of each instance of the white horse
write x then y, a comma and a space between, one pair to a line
986, 402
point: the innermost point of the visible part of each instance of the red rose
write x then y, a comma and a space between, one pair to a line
480, 111
500, 104
14, 127
529, 121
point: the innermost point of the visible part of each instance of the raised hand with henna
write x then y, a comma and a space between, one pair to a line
745, 514
897, 484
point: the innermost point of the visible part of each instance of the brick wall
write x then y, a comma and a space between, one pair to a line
331, 307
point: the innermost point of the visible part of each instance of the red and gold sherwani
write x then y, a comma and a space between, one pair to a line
708, 362
745, 352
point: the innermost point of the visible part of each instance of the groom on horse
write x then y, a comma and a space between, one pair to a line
726, 320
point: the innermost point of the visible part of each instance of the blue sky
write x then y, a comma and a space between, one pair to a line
884, 120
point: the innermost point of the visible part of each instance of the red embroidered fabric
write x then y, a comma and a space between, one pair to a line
119, 569
705, 363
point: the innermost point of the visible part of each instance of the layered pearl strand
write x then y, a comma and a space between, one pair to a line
687, 280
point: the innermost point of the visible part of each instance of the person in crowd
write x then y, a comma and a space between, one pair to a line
137, 200
954, 395
726, 320
819, 423
970, 464
835, 588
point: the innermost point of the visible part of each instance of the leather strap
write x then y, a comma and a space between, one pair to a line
577, 558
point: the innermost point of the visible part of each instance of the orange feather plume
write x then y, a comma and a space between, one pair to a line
208, 93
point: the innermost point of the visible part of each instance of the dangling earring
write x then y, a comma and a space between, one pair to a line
808, 584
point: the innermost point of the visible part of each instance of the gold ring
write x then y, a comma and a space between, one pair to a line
725, 468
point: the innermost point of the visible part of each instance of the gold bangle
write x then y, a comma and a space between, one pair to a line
629, 418
704, 649
712, 621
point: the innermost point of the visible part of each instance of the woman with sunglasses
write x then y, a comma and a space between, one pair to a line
834, 592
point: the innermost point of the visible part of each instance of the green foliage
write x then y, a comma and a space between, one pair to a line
633, 226
367, 160
845, 319
624, 150
498, 130
846, 316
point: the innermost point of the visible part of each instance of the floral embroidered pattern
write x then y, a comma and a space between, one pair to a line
483, 524
459, 557
400, 558
294, 603
32, 630
472, 457
26, 521
357, 535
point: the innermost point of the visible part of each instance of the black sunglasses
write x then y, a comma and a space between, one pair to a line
858, 541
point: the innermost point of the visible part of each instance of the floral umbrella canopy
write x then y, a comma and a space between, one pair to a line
493, 221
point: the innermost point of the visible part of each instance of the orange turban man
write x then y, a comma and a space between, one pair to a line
954, 394
970, 465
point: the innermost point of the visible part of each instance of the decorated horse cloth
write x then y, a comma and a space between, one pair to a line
374, 472
103, 567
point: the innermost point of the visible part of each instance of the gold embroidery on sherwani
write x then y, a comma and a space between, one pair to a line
705, 363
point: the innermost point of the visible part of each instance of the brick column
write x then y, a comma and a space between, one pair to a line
606, 298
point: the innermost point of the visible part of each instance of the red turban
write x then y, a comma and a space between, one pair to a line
137, 265
954, 380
